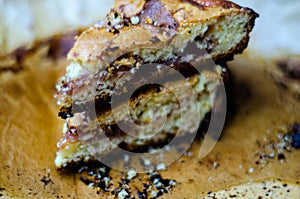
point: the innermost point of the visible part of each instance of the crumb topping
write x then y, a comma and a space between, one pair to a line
153, 184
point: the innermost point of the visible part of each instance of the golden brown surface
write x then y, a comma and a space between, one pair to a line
172, 23
29, 126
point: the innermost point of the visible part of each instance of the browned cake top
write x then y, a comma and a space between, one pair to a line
144, 23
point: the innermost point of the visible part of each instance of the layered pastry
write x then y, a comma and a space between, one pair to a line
131, 49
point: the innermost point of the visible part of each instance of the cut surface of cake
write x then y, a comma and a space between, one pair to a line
107, 59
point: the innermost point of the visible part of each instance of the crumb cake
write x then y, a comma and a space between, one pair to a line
106, 58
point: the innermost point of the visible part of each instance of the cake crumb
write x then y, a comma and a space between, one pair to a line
161, 167
131, 174
122, 194
251, 170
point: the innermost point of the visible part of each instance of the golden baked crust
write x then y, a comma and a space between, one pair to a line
173, 23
